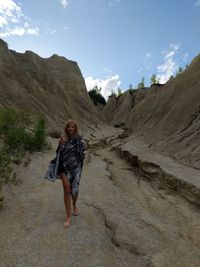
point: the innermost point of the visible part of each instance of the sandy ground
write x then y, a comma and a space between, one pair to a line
123, 220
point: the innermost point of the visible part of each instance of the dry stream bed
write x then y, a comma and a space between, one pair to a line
125, 220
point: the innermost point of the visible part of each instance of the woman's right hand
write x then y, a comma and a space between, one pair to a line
62, 140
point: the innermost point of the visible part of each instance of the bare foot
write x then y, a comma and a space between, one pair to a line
75, 211
67, 223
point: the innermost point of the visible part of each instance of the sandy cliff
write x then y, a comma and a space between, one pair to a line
53, 87
166, 117
158, 199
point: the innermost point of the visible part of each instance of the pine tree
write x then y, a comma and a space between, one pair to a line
180, 71
141, 84
130, 86
119, 92
154, 79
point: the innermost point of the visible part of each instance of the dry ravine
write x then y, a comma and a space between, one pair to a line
124, 220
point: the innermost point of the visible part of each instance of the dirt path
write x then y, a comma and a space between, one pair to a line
123, 220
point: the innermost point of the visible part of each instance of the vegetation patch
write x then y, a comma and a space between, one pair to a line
54, 133
18, 134
96, 96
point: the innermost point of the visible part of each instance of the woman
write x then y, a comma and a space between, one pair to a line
72, 150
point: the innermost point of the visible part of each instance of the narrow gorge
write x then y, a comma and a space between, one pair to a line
140, 189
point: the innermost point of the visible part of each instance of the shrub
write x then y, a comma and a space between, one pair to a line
96, 96
180, 71
141, 84
16, 139
5, 169
154, 79
39, 138
119, 92
13, 128
10, 118
113, 93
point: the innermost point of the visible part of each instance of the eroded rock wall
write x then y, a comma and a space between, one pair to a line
166, 117
53, 87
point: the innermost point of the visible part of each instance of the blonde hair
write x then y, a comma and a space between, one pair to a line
66, 126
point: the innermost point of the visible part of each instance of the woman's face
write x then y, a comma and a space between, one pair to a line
71, 128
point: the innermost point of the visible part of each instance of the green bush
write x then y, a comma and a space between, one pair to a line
96, 96
5, 169
38, 140
13, 129
141, 84
119, 92
8, 119
154, 79
16, 138
131, 91
11, 118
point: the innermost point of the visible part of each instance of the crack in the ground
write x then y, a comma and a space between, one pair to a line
106, 223
111, 175
146, 170
117, 243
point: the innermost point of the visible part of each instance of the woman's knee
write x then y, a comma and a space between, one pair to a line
66, 190
66, 185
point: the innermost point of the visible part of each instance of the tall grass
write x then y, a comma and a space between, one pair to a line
5, 168
16, 138
16, 135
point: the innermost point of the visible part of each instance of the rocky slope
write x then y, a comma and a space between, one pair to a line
166, 117
124, 219
137, 207
53, 87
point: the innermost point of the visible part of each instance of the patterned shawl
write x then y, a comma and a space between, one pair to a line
71, 155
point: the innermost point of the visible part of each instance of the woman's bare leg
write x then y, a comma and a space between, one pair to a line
67, 199
74, 199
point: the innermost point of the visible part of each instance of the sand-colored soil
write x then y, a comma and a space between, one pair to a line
124, 220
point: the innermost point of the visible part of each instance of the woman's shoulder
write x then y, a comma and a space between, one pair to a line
79, 137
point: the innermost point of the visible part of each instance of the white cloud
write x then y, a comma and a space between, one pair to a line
32, 31
149, 55
170, 64
9, 12
19, 31
185, 56
65, 28
13, 21
64, 3
148, 61
113, 2
139, 70
107, 86
50, 31
26, 25
3, 21
197, 3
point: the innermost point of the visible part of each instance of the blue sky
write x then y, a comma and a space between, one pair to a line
115, 42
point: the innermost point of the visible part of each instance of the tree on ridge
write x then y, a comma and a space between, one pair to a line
141, 84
